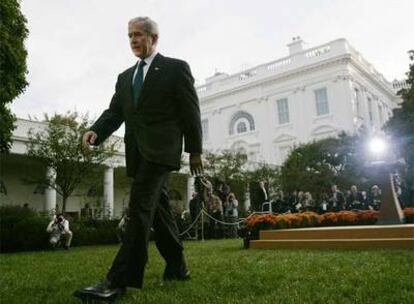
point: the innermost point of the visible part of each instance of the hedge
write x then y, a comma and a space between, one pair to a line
23, 229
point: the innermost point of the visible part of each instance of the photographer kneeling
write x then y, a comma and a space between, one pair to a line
58, 228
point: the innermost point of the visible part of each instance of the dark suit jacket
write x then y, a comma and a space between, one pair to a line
167, 111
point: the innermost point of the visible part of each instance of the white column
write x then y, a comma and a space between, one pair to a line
108, 195
50, 192
247, 203
190, 191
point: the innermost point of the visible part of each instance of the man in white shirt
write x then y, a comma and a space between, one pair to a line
58, 227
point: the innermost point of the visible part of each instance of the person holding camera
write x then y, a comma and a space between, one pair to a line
58, 228
231, 214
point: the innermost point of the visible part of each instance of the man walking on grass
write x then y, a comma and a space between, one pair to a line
157, 101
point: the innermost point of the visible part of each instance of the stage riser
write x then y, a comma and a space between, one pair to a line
341, 237
334, 244
363, 232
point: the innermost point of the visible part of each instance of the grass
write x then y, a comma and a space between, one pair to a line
222, 272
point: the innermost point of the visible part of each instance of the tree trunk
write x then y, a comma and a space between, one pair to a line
64, 199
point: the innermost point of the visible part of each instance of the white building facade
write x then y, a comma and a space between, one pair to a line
311, 94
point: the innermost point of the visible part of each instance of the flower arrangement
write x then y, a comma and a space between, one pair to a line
409, 215
256, 222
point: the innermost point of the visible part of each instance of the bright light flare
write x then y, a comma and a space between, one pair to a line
377, 145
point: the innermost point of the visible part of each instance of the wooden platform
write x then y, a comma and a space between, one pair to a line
373, 236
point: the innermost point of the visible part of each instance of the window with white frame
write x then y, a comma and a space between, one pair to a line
321, 99
204, 127
283, 110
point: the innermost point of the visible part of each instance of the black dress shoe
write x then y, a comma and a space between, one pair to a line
104, 289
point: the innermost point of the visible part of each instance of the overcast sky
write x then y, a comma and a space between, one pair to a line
78, 47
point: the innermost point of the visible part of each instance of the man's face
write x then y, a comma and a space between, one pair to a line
142, 43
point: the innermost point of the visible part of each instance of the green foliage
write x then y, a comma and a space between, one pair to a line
23, 229
225, 165
60, 147
94, 232
13, 68
315, 166
401, 126
6, 128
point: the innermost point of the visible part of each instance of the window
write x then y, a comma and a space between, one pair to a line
321, 99
204, 127
238, 117
380, 115
370, 115
241, 127
357, 102
283, 110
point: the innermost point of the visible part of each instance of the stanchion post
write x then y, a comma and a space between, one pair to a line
202, 224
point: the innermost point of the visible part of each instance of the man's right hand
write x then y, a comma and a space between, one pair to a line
89, 138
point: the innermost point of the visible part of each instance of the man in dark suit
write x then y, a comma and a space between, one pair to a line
336, 199
157, 101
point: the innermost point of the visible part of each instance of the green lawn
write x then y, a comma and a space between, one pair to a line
222, 272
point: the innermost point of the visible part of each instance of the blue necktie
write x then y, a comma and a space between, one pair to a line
138, 82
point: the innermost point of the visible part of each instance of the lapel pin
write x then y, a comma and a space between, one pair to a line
156, 68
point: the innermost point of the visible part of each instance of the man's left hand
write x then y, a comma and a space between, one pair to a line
196, 164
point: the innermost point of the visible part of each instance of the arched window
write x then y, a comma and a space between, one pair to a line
241, 127
241, 122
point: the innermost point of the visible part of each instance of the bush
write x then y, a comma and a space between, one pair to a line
94, 232
23, 229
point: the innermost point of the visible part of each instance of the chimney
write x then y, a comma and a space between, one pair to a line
296, 46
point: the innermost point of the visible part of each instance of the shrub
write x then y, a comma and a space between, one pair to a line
23, 229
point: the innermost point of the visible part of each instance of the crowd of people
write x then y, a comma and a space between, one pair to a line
220, 203
332, 200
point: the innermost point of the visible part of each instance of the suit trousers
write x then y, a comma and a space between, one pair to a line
148, 207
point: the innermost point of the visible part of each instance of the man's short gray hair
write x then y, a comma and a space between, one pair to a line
150, 26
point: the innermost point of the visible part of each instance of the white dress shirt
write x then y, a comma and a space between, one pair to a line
148, 62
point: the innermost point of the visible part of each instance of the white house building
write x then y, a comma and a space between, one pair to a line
311, 94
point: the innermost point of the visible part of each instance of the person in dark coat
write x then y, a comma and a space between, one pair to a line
158, 103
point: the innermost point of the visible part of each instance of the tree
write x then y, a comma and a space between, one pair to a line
59, 147
228, 167
315, 166
401, 128
13, 68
